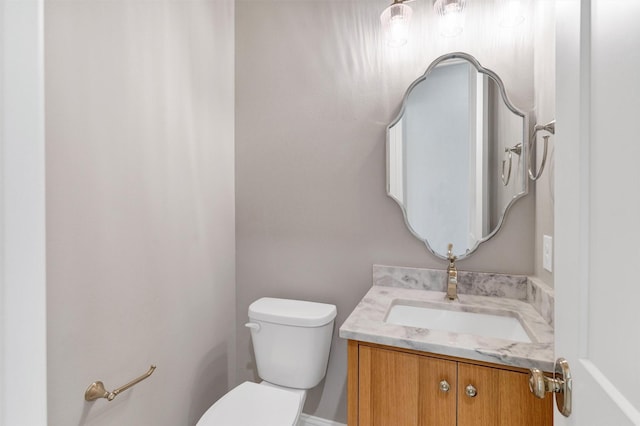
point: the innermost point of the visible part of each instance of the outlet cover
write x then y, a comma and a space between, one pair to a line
547, 253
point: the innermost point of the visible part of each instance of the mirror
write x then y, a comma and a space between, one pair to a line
455, 157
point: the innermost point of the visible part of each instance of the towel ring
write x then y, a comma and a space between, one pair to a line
508, 156
505, 181
549, 127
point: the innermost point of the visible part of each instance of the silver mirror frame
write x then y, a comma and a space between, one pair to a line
512, 108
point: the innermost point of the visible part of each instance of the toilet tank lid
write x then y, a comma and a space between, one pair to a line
292, 312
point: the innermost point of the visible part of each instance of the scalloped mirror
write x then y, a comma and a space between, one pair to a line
455, 157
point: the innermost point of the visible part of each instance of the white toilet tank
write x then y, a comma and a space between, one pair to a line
291, 340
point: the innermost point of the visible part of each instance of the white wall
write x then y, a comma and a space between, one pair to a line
140, 207
315, 90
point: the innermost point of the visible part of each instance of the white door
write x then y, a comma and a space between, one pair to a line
23, 363
597, 208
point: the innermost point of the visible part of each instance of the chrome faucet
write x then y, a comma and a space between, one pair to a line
452, 275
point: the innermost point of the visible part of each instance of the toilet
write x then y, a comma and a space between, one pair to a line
291, 342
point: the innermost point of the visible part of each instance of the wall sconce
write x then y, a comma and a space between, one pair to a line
451, 16
395, 23
395, 19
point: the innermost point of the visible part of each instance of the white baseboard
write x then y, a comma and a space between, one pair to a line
307, 420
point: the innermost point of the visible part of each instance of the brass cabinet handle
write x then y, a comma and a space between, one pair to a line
444, 386
471, 391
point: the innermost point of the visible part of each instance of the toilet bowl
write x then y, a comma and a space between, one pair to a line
291, 341
252, 404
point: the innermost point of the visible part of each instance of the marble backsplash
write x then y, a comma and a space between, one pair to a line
520, 287
542, 298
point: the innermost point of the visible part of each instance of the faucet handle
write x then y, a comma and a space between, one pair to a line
450, 255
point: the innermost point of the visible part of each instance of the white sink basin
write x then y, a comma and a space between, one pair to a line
440, 318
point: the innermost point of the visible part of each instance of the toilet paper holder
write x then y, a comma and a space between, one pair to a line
96, 390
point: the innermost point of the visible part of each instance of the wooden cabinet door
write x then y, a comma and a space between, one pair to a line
518, 406
502, 399
481, 409
401, 389
437, 407
388, 388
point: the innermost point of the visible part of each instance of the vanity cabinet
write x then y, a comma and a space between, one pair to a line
396, 387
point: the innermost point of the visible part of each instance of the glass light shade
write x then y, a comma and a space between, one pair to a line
451, 16
395, 24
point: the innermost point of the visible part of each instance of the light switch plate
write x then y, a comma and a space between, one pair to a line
547, 253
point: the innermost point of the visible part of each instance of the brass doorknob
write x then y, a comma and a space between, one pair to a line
539, 384
560, 385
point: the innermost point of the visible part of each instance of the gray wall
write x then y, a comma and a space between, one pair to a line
140, 208
545, 107
315, 89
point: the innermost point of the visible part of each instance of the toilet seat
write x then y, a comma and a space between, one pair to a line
251, 404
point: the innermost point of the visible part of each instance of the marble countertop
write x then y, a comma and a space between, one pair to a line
367, 323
